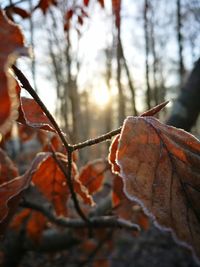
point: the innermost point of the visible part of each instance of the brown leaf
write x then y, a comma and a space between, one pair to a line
25, 133
160, 167
11, 46
80, 20
21, 12
10, 194
92, 175
45, 4
69, 14
31, 114
16, 10
125, 208
153, 111
67, 25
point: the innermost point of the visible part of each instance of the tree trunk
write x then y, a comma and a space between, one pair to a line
180, 42
146, 37
155, 59
73, 95
33, 63
187, 107
108, 109
130, 82
121, 98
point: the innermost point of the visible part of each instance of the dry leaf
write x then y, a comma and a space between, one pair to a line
92, 175
160, 167
11, 191
52, 183
31, 114
33, 221
11, 46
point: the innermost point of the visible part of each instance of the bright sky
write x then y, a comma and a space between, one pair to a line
96, 36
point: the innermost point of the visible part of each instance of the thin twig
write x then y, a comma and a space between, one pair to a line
112, 133
97, 140
70, 184
26, 85
16, 3
96, 222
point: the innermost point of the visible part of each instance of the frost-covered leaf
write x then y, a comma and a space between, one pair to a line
11, 46
160, 167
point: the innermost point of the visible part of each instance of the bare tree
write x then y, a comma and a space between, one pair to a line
187, 107
180, 41
146, 38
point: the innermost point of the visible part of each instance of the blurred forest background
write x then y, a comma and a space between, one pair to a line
96, 62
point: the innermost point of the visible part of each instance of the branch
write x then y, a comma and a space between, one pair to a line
26, 85
95, 222
16, 3
109, 135
69, 183
186, 108
97, 140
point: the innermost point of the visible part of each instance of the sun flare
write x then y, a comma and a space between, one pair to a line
100, 97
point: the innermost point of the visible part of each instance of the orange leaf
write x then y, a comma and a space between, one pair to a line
19, 219
10, 194
51, 182
160, 167
31, 114
82, 191
92, 175
34, 222
11, 46
36, 225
